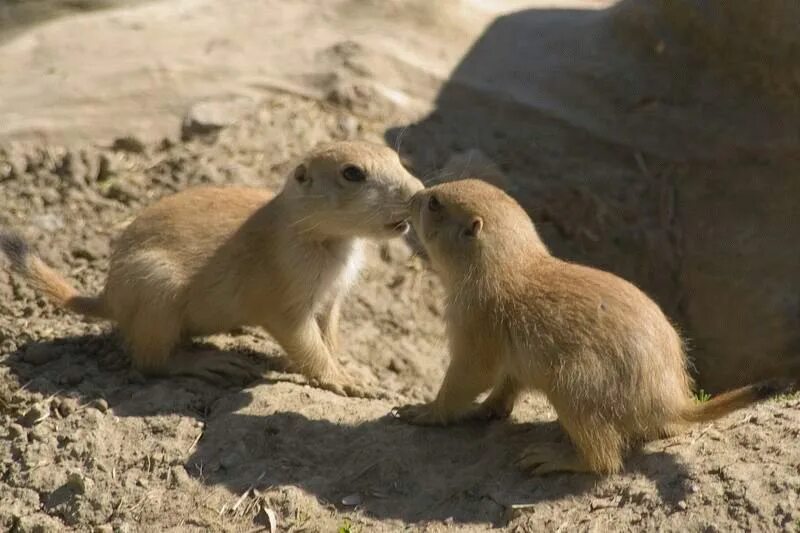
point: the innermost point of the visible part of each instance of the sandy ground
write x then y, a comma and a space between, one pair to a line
92, 131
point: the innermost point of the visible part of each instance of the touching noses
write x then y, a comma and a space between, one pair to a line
414, 185
405, 191
405, 188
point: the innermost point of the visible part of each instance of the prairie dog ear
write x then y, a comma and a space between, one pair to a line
301, 173
474, 228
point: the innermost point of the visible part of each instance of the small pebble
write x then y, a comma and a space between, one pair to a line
105, 528
682, 505
67, 406
100, 404
352, 500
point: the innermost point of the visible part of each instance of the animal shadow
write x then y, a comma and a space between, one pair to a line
91, 367
393, 470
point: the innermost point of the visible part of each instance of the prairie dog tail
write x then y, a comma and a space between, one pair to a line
733, 400
47, 281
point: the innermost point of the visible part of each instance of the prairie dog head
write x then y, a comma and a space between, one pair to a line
468, 224
352, 189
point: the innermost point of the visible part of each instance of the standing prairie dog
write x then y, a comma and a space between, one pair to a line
210, 259
518, 318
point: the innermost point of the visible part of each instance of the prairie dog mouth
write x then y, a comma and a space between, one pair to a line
400, 227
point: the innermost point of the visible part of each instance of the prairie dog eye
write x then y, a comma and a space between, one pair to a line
353, 173
434, 204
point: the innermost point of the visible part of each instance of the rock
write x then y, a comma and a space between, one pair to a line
39, 354
105, 528
210, 116
67, 406
34, 415
99, 404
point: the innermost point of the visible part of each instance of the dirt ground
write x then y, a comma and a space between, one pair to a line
86, 444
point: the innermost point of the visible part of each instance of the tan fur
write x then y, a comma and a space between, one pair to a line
208, 260
605, 355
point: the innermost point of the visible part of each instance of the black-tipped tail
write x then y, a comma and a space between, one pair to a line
45, 280
733, 400
16, 249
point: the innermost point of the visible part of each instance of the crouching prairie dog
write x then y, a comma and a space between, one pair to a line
210, 259
518, 318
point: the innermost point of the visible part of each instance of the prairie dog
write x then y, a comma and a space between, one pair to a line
602, 352
209, 259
